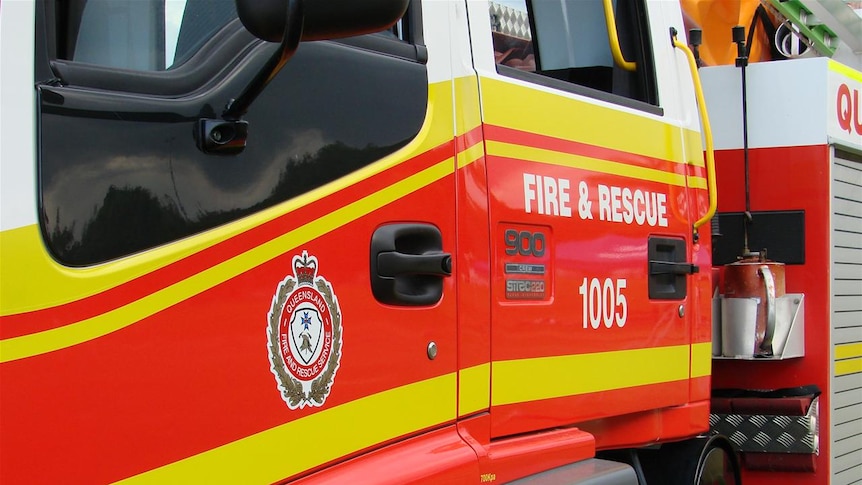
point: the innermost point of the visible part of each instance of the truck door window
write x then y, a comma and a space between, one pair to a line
567, 40
119, 168
144, 35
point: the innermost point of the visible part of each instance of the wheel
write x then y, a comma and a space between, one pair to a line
700, 461
719, 466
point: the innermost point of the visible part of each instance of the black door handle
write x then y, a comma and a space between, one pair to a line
408, 264
393, 263
670, 267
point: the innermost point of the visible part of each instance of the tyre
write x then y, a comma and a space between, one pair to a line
700, 461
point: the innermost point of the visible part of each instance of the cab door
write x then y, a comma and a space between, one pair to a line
590, 231
185, 308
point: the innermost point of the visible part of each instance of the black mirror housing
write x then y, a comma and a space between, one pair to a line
331, 19
322, 19
288, 22
265, 19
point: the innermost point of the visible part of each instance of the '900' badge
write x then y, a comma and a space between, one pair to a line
304, 335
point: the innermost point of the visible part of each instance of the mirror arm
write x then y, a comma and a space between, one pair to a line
228, 135
238, 106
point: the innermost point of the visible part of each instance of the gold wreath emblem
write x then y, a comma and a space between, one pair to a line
291, 388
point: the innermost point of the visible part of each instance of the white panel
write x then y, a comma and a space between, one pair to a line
848, 189
787, 103
17, 118
849, 172
849, 415
848, 469
676, 90
439, 19
848, 287
847, 321
847, 397
852, 224
458, 39
848, 255
480, 35
849, 333
846, 303
846, 433
847, 239
844, 206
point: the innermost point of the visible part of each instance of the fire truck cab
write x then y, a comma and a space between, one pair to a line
385, 241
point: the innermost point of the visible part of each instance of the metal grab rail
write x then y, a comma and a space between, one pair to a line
707, 132
614, 39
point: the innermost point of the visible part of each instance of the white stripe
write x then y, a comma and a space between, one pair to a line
17, 119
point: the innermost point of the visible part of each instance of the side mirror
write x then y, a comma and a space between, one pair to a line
288, 22
321, 19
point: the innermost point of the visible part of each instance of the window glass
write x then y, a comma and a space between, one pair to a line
119, 168
513, 40
174, 10
568, 40
144, 35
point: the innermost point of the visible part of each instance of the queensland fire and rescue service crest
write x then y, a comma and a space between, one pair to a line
304, 335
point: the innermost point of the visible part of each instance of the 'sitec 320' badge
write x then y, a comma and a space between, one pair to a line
304, 335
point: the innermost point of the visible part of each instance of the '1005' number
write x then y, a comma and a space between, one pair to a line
604, 302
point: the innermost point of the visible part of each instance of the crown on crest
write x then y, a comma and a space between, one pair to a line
305, 268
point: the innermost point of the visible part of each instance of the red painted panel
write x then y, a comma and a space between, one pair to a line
197, 375
473, 260
635, 430
582, 249
792, 178
523, 417
516, 457
511, 458
437, 457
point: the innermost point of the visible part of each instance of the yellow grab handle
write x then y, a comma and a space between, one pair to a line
614, 39
707, 135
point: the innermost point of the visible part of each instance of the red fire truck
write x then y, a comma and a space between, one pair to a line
426, 241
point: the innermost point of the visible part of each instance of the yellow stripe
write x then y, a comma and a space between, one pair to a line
465, 95
850, 366
538, 111
693, 148
562, 159
474, 389
847, 351
701, 359
845, 71
515, 381
58, 338
848, 359
311, 441
470, 155
696, 182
